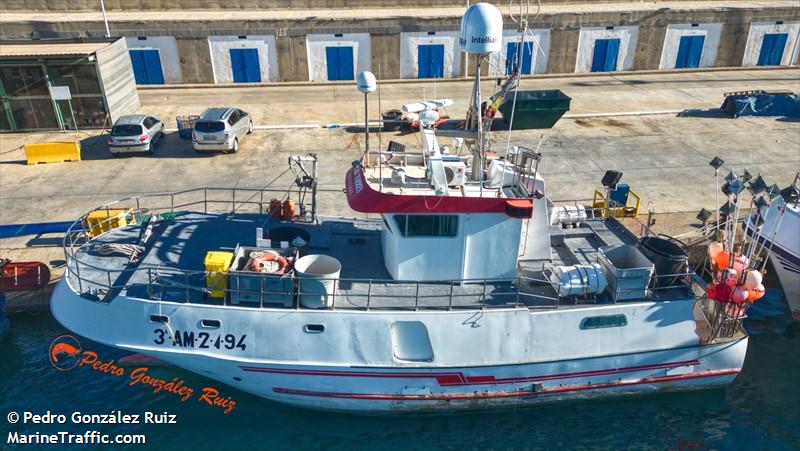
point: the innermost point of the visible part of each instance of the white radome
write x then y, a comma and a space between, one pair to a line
366, 82
481, 29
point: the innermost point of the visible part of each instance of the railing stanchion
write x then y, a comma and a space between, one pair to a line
369, 292
260, 290
298, 291
78, 272
450, 301
186, 286
233, 201
138, 209
205, 200
333, 295
108, 275
483, 297
416, 299
172, 203
519, 288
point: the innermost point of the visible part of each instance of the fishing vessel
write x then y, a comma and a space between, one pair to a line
464, 288
775, 224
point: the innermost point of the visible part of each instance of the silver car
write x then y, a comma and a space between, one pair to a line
221, 129
135, 133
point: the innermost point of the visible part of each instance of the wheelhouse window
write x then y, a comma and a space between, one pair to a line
427, 225
601, 322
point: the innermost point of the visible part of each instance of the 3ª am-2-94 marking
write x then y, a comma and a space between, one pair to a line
201, 340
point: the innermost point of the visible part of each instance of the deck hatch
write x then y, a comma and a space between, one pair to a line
410, 341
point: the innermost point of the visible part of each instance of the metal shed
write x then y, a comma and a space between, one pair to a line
65, 83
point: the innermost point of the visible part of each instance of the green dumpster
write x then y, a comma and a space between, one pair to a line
535, 109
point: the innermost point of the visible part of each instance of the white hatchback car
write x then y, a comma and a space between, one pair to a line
135, 133
221, 129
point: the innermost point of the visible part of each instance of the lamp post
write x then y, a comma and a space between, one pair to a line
366, 83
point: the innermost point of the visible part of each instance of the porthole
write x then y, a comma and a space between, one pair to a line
210, 323
601, 322
159, 319
315, 328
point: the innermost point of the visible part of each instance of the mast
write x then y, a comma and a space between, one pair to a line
482, 34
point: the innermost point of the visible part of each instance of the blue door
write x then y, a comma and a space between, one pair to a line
146, 67
772, 49
245, 66
689, 52
512, 57
339, 61
605, 55
430, 58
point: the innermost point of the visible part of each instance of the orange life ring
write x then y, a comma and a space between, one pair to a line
259, 263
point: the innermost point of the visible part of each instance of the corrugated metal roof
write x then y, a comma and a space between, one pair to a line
53, 49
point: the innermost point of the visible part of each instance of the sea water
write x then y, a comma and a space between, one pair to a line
760, 410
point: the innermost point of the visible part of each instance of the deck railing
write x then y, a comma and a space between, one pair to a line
191, 286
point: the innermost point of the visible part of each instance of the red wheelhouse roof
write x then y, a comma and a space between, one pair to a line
363, 198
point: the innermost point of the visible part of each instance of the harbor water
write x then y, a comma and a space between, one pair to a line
760, 410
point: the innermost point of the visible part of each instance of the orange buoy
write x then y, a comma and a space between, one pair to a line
755, 293
288, 210
275, 209
722, 260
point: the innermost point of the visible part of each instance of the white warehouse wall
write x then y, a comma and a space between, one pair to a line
627, 46
317, 62
540, 37
409, 68
756, 37
672, 42
167, 52
220, 46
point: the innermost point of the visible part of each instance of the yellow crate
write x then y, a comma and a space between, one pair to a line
217, 264
53, 152
101, 221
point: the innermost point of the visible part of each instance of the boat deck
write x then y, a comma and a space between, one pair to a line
172, 266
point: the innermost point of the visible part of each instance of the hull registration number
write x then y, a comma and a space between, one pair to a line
199, 340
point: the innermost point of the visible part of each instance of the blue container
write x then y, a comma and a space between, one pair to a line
619, 196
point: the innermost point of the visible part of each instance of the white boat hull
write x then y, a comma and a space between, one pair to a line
453, 389
779, 234
788, 272
513, 357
